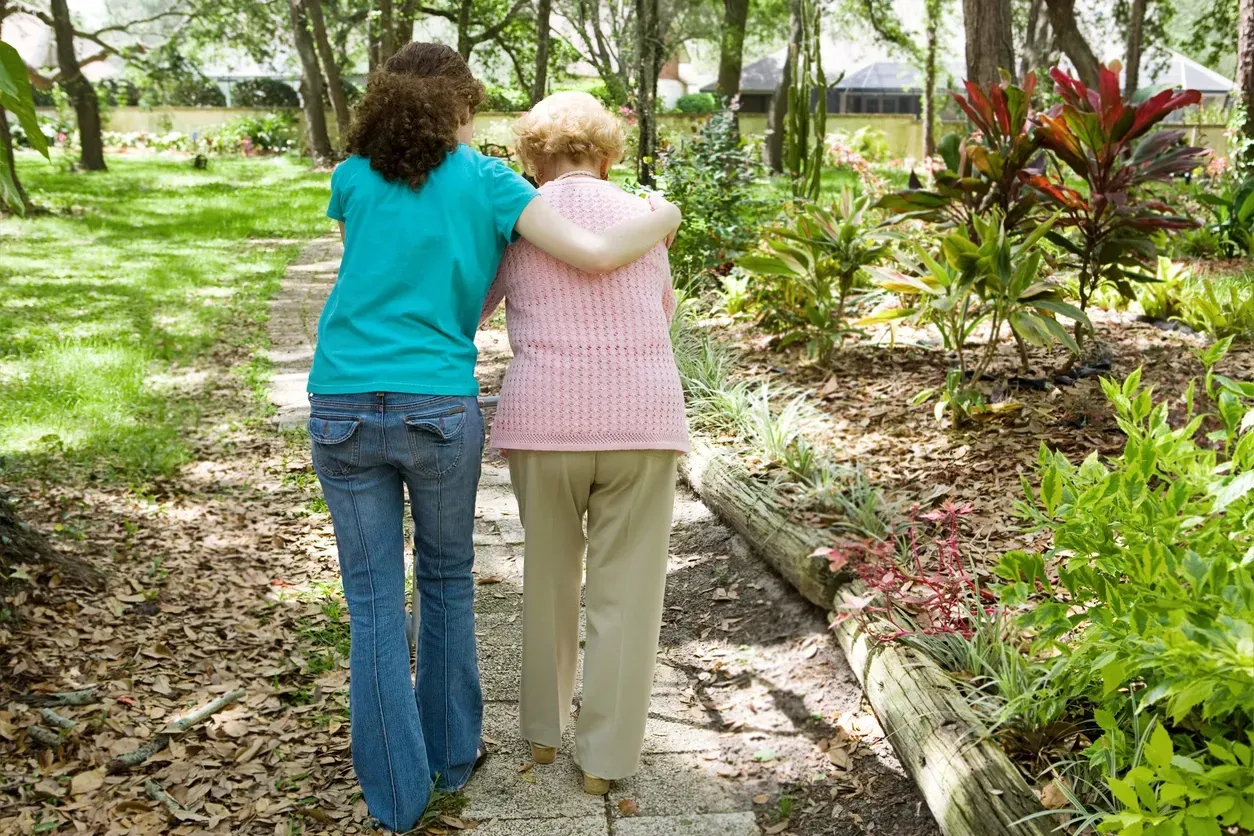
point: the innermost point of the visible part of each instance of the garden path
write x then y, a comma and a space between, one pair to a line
756, 717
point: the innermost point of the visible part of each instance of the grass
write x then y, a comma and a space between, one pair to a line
125, 286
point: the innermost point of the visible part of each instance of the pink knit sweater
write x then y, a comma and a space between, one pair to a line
592, 367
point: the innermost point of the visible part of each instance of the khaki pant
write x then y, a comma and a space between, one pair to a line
628, 497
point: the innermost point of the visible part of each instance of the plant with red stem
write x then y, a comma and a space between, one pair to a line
931, 593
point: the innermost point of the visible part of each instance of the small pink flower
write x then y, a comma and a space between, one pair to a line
61, 137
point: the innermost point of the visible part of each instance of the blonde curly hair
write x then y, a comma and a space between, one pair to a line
571, 125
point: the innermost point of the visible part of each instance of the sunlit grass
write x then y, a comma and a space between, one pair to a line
130, 278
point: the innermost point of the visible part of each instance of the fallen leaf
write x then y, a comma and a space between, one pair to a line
1053, 797
87, 781
628, 807
761, 799
764, 755
777, 828
487, 579
453, 822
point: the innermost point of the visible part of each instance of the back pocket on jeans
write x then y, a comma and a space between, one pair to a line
336, 444
436, 441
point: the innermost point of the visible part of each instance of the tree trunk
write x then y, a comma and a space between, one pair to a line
464, 44
1035, 38
776, 118
929, 79
335, 88
79, 89
1245, 70
1132, 60
406, 14
648, 66
731, 56
990, 41
539, 85
1071, 40
387, 31
311, 87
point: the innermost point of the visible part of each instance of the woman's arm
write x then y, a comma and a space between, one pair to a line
496, 295
341, 232
596, 252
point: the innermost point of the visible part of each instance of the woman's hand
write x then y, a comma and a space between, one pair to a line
660, 204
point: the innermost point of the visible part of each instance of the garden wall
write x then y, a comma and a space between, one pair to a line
904, 133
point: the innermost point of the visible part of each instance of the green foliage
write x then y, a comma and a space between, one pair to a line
806, 271
1147, 600
710, 178
1162, 299
16, 98
503, 100
273, 133
1219, 307
264, 92
990, 278
1233, 210
697, 103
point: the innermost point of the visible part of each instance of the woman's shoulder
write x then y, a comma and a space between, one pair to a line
605, 190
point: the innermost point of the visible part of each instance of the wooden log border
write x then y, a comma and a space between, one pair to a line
969, 783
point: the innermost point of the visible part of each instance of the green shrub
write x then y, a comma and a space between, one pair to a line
807, 268
264, 92
1146, 599
1233, 225
503, 100
710, 177
696, 103
274, 133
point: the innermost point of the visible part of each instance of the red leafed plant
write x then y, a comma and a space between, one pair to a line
911, 598
981, 172
1105, 140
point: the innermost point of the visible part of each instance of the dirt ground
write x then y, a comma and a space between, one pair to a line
868, 420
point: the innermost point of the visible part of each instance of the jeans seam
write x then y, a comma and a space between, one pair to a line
439, 548
374, 649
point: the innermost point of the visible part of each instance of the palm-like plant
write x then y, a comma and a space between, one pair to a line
989, 278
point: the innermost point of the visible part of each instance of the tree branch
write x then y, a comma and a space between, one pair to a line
491, 32
444, 13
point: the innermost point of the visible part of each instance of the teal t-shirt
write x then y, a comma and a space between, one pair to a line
417, 266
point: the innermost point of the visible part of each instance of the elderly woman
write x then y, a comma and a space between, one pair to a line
591, 418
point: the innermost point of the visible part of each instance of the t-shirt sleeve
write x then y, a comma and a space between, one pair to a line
510, 196
335, 209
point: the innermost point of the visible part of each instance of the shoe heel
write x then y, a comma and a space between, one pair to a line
595, 786
543, 754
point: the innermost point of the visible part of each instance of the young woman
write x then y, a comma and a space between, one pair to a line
425, 221
592, 418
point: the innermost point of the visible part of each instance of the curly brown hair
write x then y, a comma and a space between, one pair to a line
408, 119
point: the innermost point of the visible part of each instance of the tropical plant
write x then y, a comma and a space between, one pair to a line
1163, 299
987, 279
1105, 140
1234, 217
1146, 597
981, 172
1219, 307
16, 97
807, 272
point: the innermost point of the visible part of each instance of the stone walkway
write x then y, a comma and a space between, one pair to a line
694, 780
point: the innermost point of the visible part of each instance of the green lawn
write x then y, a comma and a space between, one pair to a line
110, 302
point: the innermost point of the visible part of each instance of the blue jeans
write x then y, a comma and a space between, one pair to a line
367, 448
